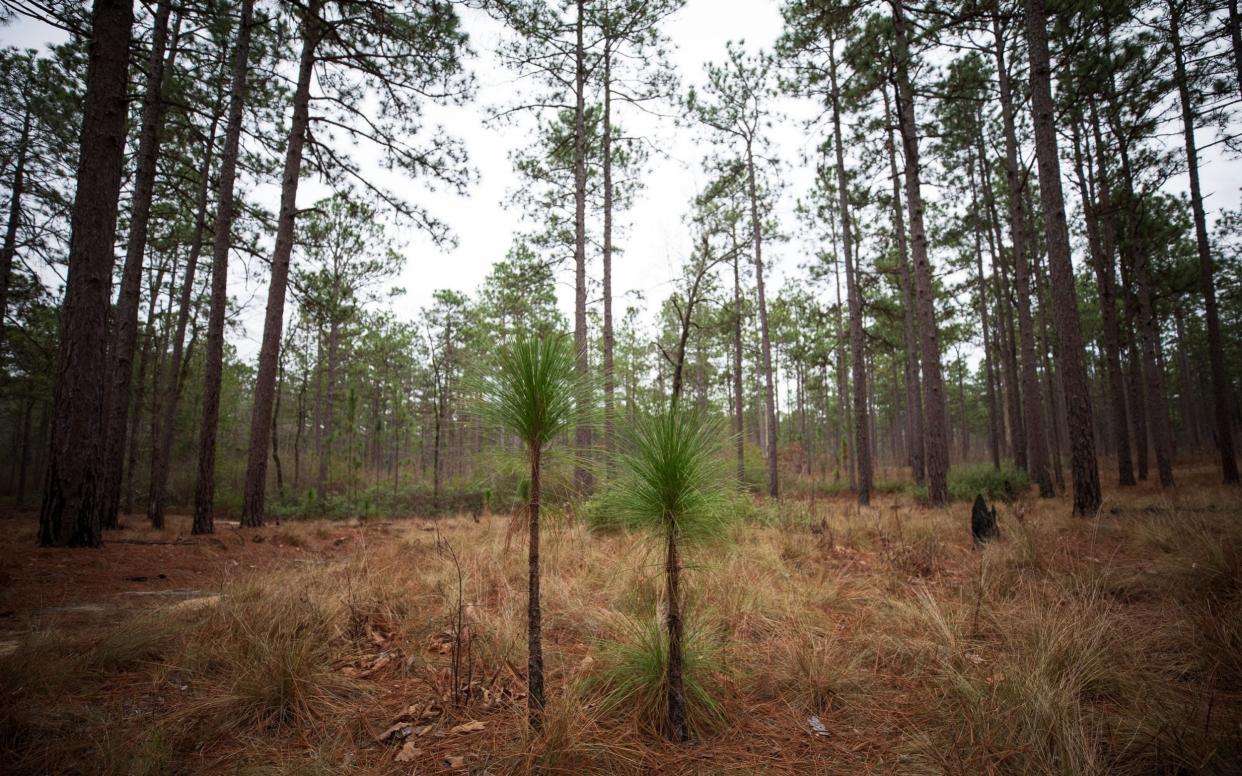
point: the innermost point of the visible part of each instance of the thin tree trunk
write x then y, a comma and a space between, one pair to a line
913, 383
677, 728
147, 351
1086, 475
934, 419
739, 400
1006, 334
993, 433
858, 354
166, 400
1033, 415
9, 250
69, 515
1190, 416
1157, 399
213, 370
265, 383
765, 341
125, 321
582, 434
609, 339
1207, 283
280, 382
1100, 243
328, 417
534, 619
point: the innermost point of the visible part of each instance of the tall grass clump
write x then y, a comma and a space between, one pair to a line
672, 488
635, 675
535, 395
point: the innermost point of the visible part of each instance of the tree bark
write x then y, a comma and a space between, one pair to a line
1085, 471
1190, 415
765, 341
166, 399
1033, 415
1100, 243
858, 353
913, 383
1207, 282
934, 418
677, 728
9, 249
582, 434
213, 358
1005, 331
69, 515
534, 619
739, 428
125, 322
609, 339
328, 418
993, 432
265, 383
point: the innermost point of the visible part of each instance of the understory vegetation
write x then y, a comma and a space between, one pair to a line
820, 639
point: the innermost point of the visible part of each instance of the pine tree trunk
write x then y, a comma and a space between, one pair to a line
739, 400
858, 353
1100, 243
843, 381
1086, 475
327, 416
213, 358
69, 515
146, 353
582, 434
125, 320
1157, 399
9, 250
1207, 282
167, 398
609, 339
265, 382
936, 443
913, 383
1033, 415
764, 340
1185, 387
993, 433
1135, 255
534, 619
677, 728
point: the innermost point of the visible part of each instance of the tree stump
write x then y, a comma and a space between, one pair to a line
983, 526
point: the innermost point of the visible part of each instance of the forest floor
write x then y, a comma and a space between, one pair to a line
836, 640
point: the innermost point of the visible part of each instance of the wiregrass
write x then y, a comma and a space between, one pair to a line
1069, 646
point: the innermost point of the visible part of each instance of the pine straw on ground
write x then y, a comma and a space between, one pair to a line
1071, 646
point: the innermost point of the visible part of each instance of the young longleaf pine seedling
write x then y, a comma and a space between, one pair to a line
535, 396
674, 488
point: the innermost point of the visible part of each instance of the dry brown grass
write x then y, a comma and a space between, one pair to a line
1111, 645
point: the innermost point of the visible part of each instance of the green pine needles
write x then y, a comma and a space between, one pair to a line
673, 479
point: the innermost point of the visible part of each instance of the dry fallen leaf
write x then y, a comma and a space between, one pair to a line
396, 732
453, 761
473, 726
408, 753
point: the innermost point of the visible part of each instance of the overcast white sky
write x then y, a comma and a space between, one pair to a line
654, 239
